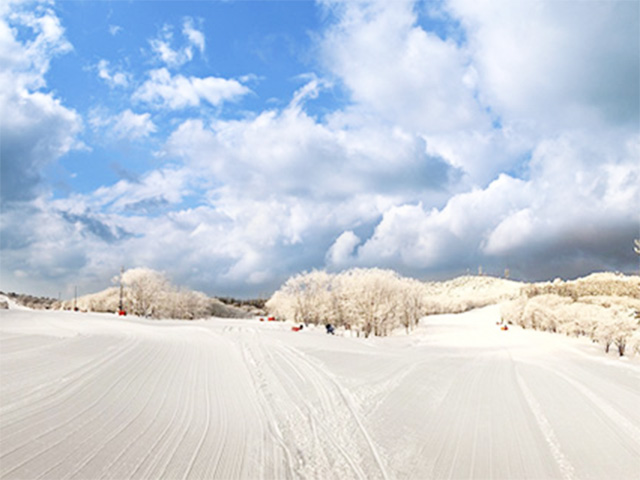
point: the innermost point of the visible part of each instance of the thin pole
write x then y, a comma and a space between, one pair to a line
121, 291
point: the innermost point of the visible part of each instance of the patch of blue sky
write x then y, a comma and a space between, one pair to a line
269, 40
84, 171
433, 17
520, 168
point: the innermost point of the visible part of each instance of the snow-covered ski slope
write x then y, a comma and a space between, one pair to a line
96, 396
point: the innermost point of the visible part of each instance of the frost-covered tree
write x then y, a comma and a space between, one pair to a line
303, 298
144, 291
371, 301
412, 298
624, 327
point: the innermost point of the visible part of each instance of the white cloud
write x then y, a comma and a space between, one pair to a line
125, 125
285, 181
162, 45
131, 125
341, 252
115, 29
37, 128
113, 79
575, 213
399, 72
195, 36
553, 64
173, 58
290, 153
410, 174
177, 92
28, 61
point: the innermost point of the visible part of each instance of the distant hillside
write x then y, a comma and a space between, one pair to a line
179, 305
468, 292
30, 301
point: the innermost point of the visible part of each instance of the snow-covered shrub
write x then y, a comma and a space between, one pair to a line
633, 343
182, 304
580, 319
542, 312
602, 306
105, 301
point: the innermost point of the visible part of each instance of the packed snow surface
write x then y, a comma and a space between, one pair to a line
99, 396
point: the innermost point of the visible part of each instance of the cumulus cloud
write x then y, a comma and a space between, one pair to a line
37, 128
342, 250
177, 91
568, 216
555, 64
291, 153
547, 99
398, 73
395, 69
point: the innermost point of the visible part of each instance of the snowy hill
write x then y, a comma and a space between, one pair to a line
467, 292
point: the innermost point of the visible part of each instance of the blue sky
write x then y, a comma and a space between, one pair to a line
269, 42
232, 144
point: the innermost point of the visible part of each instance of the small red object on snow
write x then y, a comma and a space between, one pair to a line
295, 329
272, 319
122, 313
504, 327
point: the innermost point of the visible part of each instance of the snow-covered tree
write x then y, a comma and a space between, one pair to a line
625, 326
144, 290
372, 301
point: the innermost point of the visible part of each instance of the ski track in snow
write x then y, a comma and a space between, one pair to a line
101, 397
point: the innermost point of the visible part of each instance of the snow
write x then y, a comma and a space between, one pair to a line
12, 304
99, 396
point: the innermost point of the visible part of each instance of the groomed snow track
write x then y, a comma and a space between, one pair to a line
95, 396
